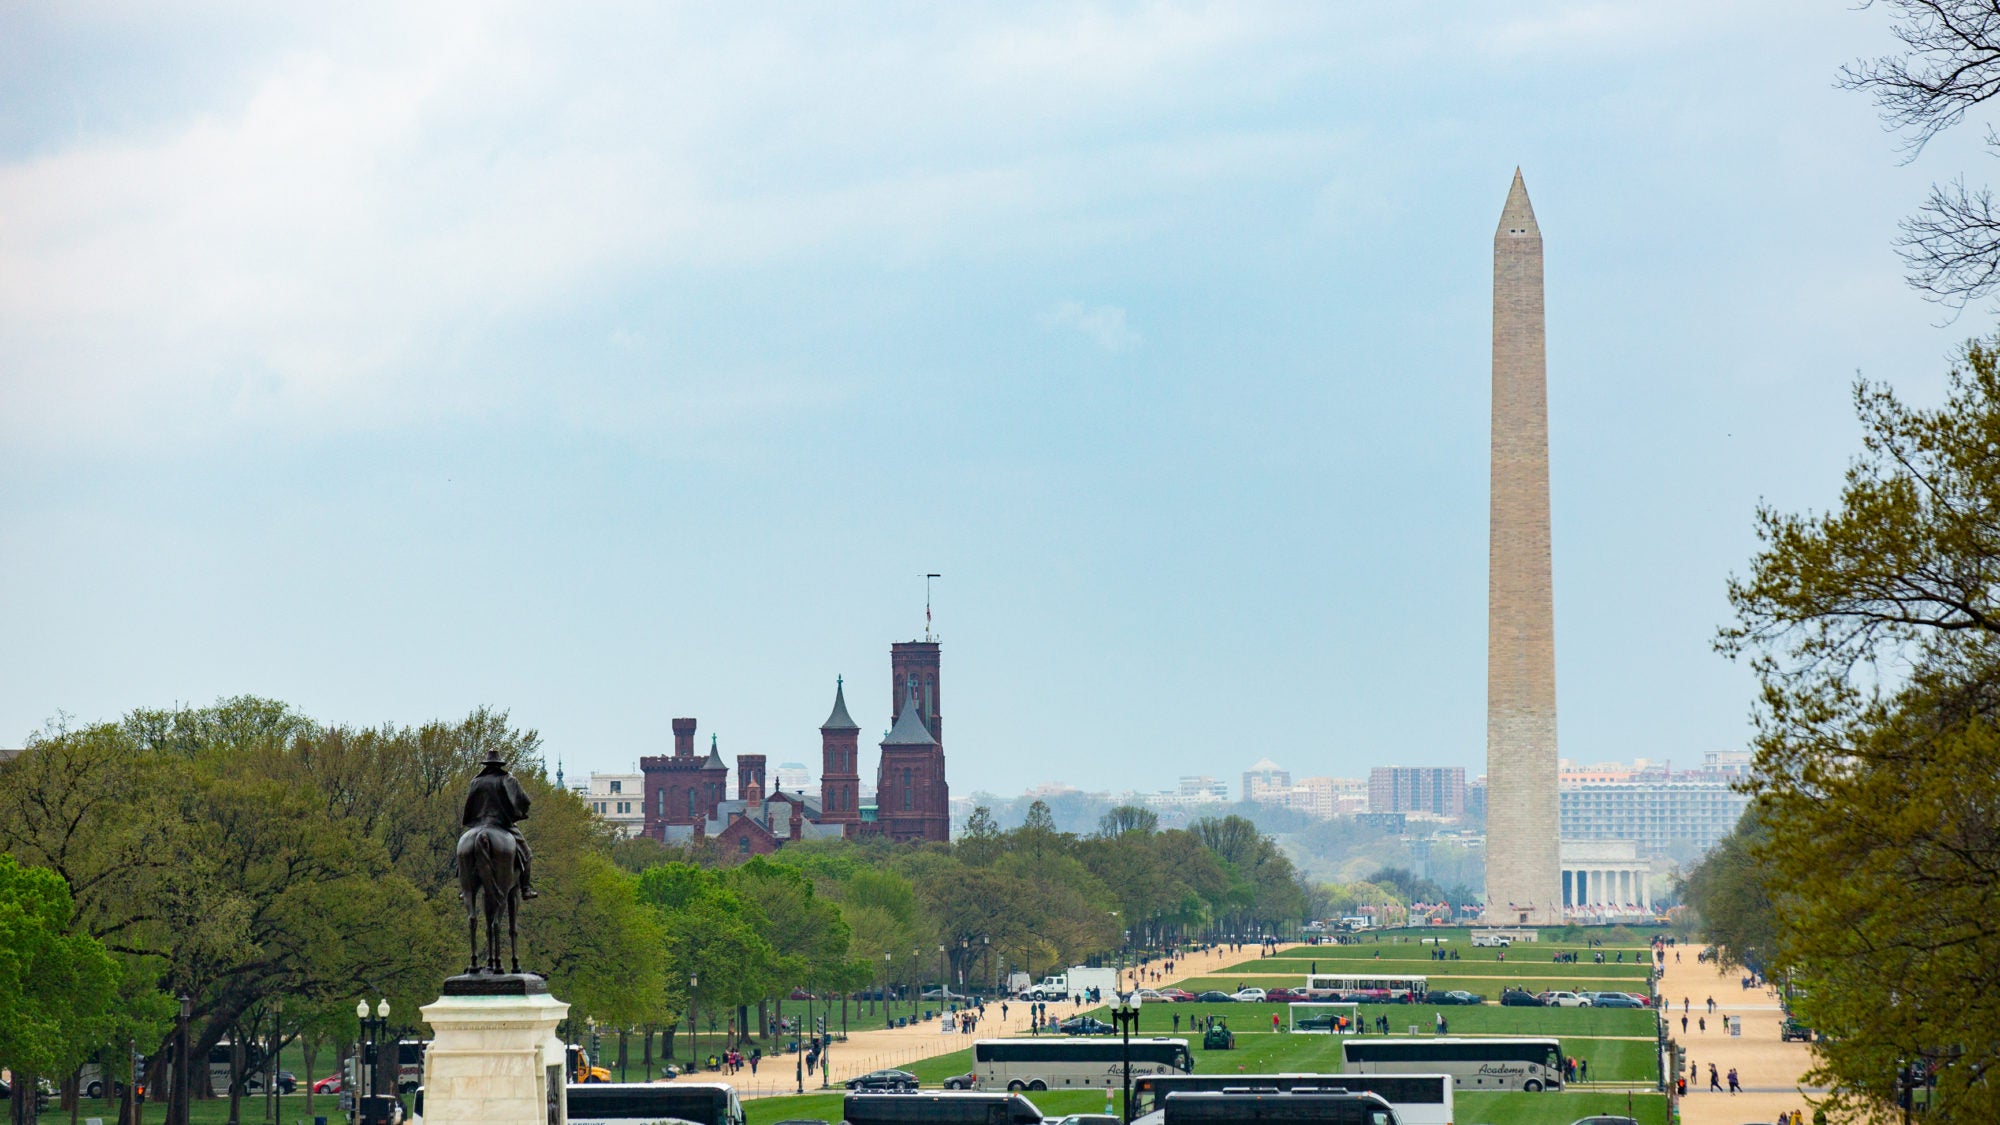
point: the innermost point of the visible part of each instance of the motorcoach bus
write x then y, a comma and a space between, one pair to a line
1418, 1099
1474, 1064
1066, 1064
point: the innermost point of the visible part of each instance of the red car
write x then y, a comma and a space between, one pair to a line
1285, 996
1177, 995
328, 1085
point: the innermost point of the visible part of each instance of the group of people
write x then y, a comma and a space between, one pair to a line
1444, 954
1575, 1069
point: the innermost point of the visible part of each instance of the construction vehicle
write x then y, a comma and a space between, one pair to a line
580, 1068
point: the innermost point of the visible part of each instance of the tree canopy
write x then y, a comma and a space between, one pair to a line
1875, 632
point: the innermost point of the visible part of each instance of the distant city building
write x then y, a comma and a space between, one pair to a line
684, 797
618, 799
1683, 816
1475, 798
1193, 791
1204, 786
1266, 781
792, 777
1437, 790
1393, 823
1605, 879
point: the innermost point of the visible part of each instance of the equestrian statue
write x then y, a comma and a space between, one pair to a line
493, 861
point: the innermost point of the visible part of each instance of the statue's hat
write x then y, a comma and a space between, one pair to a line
492, 763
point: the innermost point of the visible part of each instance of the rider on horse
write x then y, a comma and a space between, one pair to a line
496, 799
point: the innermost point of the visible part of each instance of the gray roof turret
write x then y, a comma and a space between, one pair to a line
910, 729
714, 757
839, 720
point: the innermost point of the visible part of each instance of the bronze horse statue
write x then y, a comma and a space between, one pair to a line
493, 862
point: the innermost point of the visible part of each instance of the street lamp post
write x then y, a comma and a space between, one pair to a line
944, 979
1126, 1016
694, 1025
177, 1105
887, 1019
916, 993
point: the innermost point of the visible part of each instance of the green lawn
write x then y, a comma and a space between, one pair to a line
1555, 1109
1480, 1019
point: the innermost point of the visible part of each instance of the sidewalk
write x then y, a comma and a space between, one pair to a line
880, 1047
1770, 1069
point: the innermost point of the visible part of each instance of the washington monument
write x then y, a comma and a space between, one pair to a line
1523, 872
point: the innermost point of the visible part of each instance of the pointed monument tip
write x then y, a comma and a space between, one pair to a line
1518, 216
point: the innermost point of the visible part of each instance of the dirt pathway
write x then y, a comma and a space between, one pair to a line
880, 1047
1770, 1069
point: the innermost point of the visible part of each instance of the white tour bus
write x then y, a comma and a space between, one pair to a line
1038, 1063
1395, 989
1474, 1064
1418, 1099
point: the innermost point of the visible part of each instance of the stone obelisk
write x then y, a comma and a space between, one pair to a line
1523, 872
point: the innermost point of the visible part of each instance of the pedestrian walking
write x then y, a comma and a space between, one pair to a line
1684, 1024
1711, 1005
1714, 1081
1583, 1070
1734, 1086
1702, 1021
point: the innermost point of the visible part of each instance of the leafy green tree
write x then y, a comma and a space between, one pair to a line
1128, 818
1875, 632
1731, 888
57, 986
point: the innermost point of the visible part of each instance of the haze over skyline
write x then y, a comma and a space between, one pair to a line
613, 365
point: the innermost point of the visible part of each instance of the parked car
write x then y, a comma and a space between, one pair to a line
1605, 1119
1561, 999
802, 994
1795, 1030
1152, 994
1217, 998
1251, 995
331, 1084
967, 1081
1318, 1023
1177, 995
1614, 1000
287, 1082
1084, 1025
1286, 995
892, 1079
942, 994
1455, 996
1518, 998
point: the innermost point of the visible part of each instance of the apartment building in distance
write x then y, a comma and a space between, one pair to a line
1436, 790
618, 799
1665, 812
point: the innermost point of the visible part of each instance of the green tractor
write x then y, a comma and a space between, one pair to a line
1218, 1038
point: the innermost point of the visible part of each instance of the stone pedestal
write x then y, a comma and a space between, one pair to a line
495, 1059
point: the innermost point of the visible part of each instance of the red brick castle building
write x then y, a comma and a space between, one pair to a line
686, 796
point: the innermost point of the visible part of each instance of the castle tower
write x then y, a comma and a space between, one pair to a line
714, 780
917, 660
750, 778
1523, 865
675, 791
839, 776
911, 800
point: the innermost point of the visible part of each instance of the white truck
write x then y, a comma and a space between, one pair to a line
1078, 980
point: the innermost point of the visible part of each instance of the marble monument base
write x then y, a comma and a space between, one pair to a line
495, 1059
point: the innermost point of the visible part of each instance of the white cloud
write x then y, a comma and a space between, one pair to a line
1104, 324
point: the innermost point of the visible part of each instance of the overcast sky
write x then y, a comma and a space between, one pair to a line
614, 364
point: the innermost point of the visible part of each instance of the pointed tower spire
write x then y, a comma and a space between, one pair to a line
839, 720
